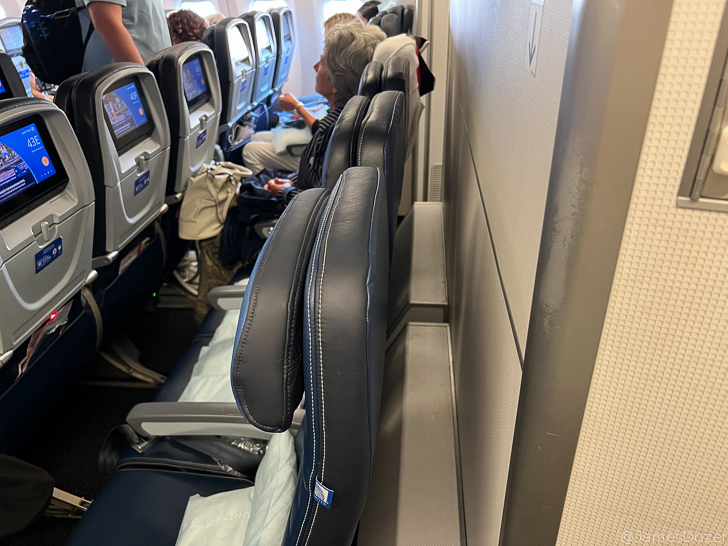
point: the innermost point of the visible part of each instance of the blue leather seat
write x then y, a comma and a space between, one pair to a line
382, 144
326, 342
371, 80
341, 154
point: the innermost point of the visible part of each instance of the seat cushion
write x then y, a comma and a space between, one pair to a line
180, 376
145, 507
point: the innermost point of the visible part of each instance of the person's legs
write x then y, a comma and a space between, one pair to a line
259, 154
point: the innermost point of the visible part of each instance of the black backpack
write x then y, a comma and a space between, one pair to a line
53, 43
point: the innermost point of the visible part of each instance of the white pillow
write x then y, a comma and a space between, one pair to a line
254, 516
285, 137
275, 485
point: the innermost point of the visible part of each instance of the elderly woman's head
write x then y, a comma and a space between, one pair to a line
186, 26
348, 48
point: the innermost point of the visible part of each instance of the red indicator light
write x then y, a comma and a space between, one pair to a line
54, 316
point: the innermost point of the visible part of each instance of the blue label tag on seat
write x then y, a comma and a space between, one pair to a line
243, 85
141, 183
266, 70
48, 255
323, 494
201, 138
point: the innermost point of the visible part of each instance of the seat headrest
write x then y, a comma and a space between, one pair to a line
345, 318
395, 74
165, 66
216, 38
371, 79
342, 151
64, 95
267, 376
408, 19
382, 144
11, 80
391, 24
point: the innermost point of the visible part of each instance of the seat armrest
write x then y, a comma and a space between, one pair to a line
227, 298
196, 419
296, 149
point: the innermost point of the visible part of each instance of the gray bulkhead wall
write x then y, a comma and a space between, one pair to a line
500, 131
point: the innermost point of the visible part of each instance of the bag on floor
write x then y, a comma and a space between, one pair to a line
26, 492
207, 200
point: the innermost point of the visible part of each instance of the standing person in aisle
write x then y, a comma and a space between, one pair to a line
124, 30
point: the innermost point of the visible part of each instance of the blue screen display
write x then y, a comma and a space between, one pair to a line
193, 79
12, 37
24, 161
125, 109
2, 87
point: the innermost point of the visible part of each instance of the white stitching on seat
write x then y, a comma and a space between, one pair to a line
329, 221
312, 413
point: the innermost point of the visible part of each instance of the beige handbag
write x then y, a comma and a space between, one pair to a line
208, 198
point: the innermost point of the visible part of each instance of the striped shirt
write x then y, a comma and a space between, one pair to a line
312, 160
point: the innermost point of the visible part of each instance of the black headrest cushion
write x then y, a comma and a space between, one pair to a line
382, 144
371, 79
408, 19
391, 24
215, 38
267, 377
395, 74
64, 96
10, 78
342, 151
344, 350
377, 19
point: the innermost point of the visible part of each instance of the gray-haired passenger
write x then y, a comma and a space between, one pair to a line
348, 48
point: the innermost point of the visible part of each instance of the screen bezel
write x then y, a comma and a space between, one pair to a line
22, 203
135, 136
203, 97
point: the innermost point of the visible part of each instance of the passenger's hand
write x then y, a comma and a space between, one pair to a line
34, 89
288, 102
276, 185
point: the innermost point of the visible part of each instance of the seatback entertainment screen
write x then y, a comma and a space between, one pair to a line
12, 38
29, 166
126, 116
194, 83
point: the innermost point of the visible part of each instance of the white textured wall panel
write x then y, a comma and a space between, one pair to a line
653, 450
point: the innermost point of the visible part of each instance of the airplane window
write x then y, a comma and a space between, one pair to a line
332, 7
203, 8
265, 5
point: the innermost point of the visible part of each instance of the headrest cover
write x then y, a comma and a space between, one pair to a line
266, 371
344, 361
371, 79
342, 151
